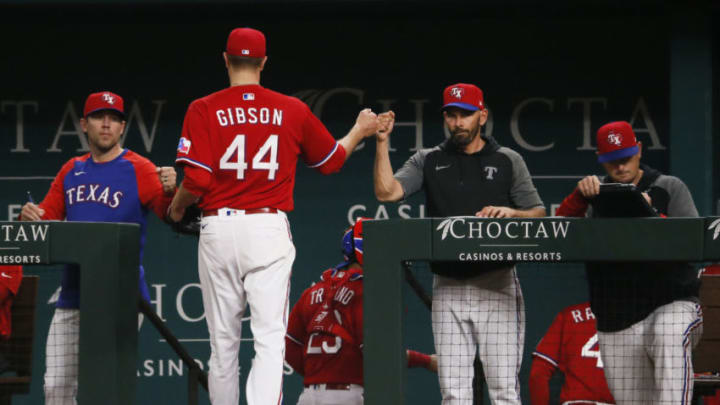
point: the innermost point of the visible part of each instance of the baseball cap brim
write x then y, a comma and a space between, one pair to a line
116, 111
618, 154
464, 106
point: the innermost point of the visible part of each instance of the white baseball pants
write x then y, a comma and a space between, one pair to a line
484, 314
651, 361
246, 259
61, 358
317, 394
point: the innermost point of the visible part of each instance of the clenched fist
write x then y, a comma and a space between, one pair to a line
168, 178
367, 122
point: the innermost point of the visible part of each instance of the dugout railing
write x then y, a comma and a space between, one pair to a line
389, 243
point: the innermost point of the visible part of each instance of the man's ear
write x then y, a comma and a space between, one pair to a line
639, 149
84, 124
226, 60
483, 116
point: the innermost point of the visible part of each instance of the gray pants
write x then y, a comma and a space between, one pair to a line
484, 314
651, 361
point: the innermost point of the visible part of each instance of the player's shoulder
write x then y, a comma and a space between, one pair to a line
139, 161
136, 158
286, 101
210, 99
423, 154
668, 181
511, 154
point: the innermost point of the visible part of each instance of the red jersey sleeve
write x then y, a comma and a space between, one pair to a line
574, 205
296, 336
54, 201
194, 148
150, 189
550, 347
319, 149
358, 318
546, 359
11, 277
540, 373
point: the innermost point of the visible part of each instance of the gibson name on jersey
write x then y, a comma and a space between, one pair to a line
250, 115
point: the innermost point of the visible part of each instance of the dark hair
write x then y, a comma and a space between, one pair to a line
244, 62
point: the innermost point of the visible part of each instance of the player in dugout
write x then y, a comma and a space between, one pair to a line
648, 314
571, 347
108, 184
324, 340
477, 308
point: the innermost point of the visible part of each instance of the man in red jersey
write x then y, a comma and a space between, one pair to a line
571, 346
325, 332
240, 147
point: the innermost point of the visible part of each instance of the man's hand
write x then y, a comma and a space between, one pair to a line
492, 211
433, 363
386, 121
367, 122
168, 178
647, 198
589, 187
31, 212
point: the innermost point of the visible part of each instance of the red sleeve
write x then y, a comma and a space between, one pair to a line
546, 358
417, 359
574, 205
540, 373
296, 336
550, 346
11, 277
194, 148
358, 309
54, 201
197, 180
150, 189
319, 149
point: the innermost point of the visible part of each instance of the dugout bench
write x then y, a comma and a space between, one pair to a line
552, 239
108, 257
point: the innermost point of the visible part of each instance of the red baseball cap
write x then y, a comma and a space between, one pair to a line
465, 96
104, 100
616, 140
246, 42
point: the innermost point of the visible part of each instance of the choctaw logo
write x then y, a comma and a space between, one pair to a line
457, 92
715, 225
615, 139
110, 99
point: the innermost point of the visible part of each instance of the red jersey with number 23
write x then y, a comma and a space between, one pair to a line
571, 345
248, 139
326, 311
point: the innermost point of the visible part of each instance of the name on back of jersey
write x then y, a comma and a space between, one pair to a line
249, 115
343, 296
579, 315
